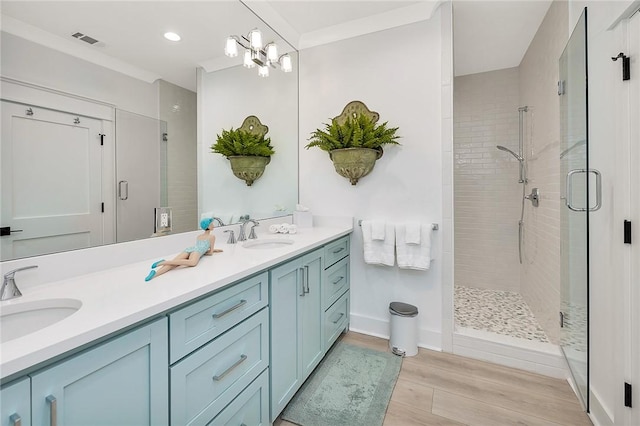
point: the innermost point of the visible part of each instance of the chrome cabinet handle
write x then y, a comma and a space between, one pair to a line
339, 318
338, 280
338, 251
231, 309
302, 280
242, 359
15, 419
53, 410
123, 190
569, 188
306, 280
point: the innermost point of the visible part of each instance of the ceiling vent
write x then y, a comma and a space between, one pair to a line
85, 38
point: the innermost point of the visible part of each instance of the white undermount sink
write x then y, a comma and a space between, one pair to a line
268, 243
20, 319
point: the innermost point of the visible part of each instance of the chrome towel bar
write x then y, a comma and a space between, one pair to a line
434, 226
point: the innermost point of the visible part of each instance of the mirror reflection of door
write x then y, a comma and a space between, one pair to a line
140, 148
51, 181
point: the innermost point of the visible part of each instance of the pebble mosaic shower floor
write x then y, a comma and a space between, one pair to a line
501, 312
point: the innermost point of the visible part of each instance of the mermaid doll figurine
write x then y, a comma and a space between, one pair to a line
191, 255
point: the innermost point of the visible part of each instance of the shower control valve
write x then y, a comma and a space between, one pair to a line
534, 197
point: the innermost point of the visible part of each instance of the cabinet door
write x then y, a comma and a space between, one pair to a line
284, 297
15, 403
121, 382
311, 313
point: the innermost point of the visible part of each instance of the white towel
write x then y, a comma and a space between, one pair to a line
377, 230
378, 252
412, 233
414, 256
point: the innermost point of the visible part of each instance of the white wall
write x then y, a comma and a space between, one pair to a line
397, 73
226, 98
32, 63
487, 193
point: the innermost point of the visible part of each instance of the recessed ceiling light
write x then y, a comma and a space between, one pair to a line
172, 36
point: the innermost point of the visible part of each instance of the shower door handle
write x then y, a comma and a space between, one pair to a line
569, 188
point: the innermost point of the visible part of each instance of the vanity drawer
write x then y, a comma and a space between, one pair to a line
336, 282
207, 380
336, 319
196, 324
251, 407
335, 251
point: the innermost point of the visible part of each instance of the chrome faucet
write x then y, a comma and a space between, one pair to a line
232, 237
217, 219
252, 234
9, 289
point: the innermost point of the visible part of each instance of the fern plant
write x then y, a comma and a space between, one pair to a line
358, 132
239, 142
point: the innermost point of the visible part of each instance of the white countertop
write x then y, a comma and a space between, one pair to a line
117, 298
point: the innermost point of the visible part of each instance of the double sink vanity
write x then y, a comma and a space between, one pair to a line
227, 342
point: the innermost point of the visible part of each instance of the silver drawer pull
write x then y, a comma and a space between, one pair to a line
242, 359
338, 251
338, 280
53, 410
302, 281
339, 318
15, 419
231, 309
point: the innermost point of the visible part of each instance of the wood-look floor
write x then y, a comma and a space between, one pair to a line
437, 388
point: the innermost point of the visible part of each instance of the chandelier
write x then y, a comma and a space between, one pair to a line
255, 53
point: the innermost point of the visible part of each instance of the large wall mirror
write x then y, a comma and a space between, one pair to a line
103, 120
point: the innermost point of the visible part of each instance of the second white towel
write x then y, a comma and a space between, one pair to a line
414, 256
378, 252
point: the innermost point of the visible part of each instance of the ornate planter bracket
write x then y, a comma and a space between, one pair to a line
355, 108
252, 124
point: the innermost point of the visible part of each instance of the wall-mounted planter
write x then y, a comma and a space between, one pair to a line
248, 168
354, 141
247, 149
354, 163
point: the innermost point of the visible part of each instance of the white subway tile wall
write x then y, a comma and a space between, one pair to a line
487, 195
540, 274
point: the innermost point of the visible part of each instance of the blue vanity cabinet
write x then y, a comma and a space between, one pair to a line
251, 407
296, 325
206, 381
123, 381
15, 403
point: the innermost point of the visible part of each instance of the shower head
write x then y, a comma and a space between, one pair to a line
503, 148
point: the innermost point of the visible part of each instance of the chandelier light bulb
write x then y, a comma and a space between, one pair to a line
231, 48
285, 63
263, 71
255, 39
272, 52
248, 63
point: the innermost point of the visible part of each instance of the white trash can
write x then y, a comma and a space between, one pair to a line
403, 336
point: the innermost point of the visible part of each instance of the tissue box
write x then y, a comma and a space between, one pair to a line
303, 219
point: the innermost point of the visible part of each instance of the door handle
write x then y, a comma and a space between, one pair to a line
569, 188
123, 190
306, 279
301, 270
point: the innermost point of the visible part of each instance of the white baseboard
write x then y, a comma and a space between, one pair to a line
540, 358
427, 339
598, 413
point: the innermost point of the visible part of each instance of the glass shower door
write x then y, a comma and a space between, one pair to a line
579, 187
